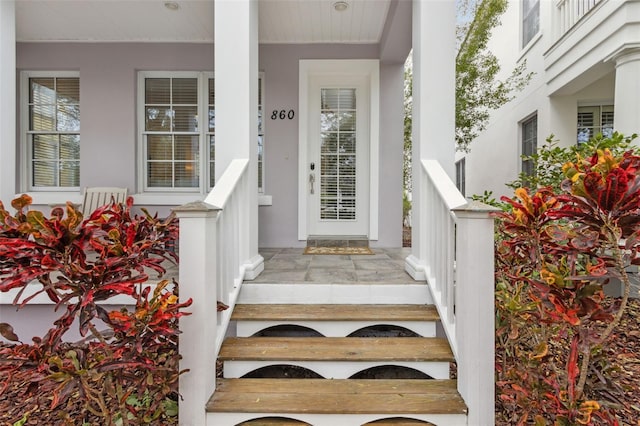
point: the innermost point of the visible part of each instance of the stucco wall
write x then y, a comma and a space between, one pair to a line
278, 222
108, 73
108, 96
41, 318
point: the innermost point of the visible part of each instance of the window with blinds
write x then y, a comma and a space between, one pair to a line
211, 133
338, 154
178, 146
529, 143
461, 175
53, 132
530, 20
593, 120
171, 133
260, 136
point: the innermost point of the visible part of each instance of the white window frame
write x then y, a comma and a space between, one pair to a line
603, 107
261, 133
461, 175
142, 154
524, 14
26, 183
203, 133
522, 125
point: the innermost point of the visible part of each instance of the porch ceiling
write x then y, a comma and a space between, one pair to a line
281, 21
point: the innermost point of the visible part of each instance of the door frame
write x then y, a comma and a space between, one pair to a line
368, 68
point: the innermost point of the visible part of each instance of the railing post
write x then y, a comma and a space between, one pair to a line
475, 310
197, 344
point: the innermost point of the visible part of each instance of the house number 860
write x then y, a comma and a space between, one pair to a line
282, 114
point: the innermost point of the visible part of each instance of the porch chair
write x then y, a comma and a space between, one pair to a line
101, 196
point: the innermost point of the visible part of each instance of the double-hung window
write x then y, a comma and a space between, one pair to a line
177, 118
51, 118
529, 131
172, 131
461, 175
530, 20
593, 120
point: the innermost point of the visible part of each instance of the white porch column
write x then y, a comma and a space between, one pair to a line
236, 91
7, 100
434, 23
627, 93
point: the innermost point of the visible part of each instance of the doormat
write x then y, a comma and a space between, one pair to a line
338, 250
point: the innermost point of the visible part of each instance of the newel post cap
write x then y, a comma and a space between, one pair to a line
196, 209
474, 209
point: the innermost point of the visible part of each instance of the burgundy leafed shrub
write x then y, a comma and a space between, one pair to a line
555, 254
128, 374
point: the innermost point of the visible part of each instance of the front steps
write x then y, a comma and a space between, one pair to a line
335, 399
339, 402
334, 320
336, 357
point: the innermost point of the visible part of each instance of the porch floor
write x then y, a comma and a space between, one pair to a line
385, 266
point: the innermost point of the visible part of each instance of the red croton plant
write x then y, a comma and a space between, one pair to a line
127, 374
555, 254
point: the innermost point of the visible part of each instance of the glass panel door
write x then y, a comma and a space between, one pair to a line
338, 117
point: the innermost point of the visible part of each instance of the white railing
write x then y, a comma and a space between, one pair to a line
569, 12
459, 268
233, 203
212, 266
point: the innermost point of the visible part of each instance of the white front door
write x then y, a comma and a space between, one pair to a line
337, 177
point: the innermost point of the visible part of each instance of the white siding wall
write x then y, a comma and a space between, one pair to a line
495, 155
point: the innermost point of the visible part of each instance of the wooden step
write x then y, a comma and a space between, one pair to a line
336, 357
335, 320
321, 396
335, 349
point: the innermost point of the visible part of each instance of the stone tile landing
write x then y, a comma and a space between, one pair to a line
385, 266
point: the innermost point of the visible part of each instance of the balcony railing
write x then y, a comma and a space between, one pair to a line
569, 12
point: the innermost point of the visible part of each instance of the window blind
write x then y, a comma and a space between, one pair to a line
53, 132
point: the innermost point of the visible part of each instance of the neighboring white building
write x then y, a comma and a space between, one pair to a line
586, 58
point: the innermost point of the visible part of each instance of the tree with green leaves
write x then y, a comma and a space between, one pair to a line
478, 91
408, 102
